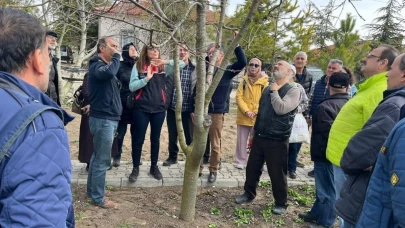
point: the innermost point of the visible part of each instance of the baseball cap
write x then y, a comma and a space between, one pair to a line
294, 70
339, 80
51, 33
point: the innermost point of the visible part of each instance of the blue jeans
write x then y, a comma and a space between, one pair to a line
141, 122
293, 150
323, 207
340, 178
103, 131
121, 131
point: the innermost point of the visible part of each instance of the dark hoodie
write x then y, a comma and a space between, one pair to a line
124, 75
104, 88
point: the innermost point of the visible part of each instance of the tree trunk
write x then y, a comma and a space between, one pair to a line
83, 31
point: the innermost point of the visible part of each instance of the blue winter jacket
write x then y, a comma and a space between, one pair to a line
35, 174
384, 206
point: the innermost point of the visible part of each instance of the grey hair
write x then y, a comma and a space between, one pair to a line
301, 53
402, 63
21, 34
101, 43
337, 61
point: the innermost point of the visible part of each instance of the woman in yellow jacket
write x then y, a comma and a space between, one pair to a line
247, 98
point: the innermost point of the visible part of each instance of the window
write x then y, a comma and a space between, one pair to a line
127, 36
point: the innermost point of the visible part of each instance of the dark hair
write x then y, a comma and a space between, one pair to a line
21, 34
144, 59
402, 63
101, 43
352, 79
389, 53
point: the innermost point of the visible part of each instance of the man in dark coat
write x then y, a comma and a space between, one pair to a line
362, 150
55, 83
322, 211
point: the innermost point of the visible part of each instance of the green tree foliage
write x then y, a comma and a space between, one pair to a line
389, 27
347, 47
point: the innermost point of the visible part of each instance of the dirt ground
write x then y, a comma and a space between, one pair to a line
160, 207
228, 140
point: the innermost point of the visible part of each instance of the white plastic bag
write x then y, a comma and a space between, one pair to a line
300, 132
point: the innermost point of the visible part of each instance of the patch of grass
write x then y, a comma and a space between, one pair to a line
125, 225
215, 211
279, 222
265, 184
303, 200
266, 212
298, 220
80, 216
212, 226
292, 192
244, 216
109, 187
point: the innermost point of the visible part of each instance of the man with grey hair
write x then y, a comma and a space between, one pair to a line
35, 166
277, 109
321, 92
55, 80
105, 112
384, 204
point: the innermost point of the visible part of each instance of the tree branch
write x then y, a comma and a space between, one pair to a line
356, 10
28, 6
166, 22
159, 10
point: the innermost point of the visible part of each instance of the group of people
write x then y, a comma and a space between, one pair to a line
356, 141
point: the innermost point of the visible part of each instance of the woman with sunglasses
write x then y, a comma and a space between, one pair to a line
152, 78
247, 99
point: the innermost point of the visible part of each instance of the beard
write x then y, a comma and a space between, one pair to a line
279, 74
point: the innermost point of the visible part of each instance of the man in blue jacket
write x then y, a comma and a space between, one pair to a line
35, 170
384, 204
105, 112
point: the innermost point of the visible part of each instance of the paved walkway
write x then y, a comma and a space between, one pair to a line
228, 176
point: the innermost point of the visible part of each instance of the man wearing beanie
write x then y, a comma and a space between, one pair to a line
322, 212
55, 83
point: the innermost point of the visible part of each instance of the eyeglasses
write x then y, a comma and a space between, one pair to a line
369, 56
254, 65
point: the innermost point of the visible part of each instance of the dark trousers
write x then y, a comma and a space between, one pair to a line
141, 122
293, 150
274, 153
323, 207
121, 131
172, 129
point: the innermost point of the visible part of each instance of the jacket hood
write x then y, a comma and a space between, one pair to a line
36, 94
262, 80
125, 54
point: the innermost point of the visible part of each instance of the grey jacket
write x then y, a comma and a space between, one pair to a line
362, 151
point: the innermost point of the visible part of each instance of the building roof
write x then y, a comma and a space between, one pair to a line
128, 8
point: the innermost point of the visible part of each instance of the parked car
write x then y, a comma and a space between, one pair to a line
66, 54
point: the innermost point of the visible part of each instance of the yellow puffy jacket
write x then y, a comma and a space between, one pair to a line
354, 115
247, 99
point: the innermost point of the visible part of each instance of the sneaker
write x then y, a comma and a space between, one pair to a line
292, 175
107, 204
307, 217
244, 198
279, 210
116, 162
238, 166
134, 175
169, 162
301, 165
155, 172
311, 173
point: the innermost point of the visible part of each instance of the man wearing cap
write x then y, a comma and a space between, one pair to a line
362, 150
322, 212
55, 83
351, 120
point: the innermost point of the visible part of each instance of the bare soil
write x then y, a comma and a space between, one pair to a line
160, 207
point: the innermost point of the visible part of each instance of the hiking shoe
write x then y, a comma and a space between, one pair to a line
155, 172
107, 204
244, 198
212, 177
301, 165
292, 175
279, 210
307, 217
169, 162
311, 173
134, 175
116, 162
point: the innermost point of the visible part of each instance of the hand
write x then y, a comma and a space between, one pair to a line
250, 140
309, 122
275, 86
250, 114
149, 73
192, 117
159, 62
86, 109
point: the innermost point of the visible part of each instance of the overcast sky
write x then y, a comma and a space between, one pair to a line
366, 8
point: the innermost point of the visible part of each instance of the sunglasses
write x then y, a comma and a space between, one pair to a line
254, 65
